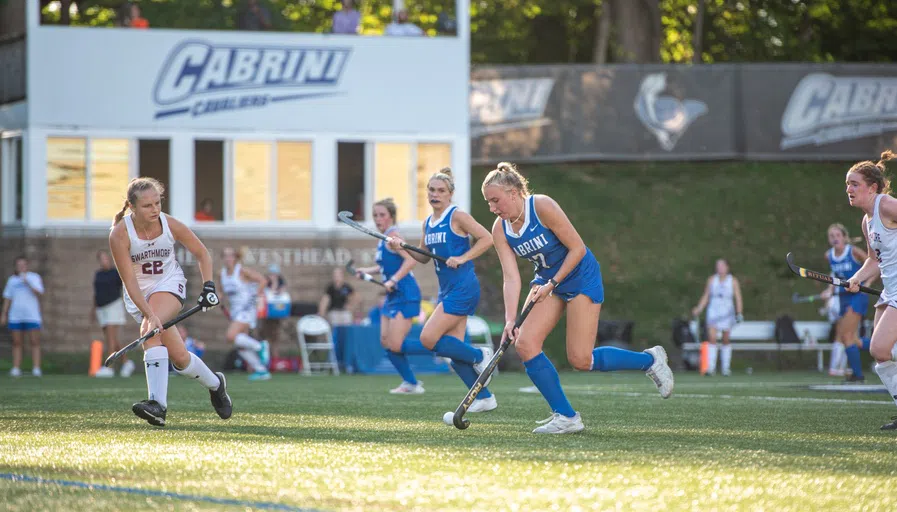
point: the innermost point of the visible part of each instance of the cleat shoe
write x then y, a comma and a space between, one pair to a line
890, 426
560, 424
260, 375
854, 378
481, 366
35, 372
407, 388
660, 371
127, 368
265, 353
483, 404
151, 411
836, 373
15, 372
220, 400
104, 373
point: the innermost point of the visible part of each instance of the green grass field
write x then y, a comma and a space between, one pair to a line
750, 442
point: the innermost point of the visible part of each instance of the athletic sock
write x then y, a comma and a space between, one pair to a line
415, 348
853, 359
712, 350
401, 364
252, 360
725, 358
197, 369
469, 377
156, 361
545, 376
611, 359
246, 341
887, 372
456, 350
837, 355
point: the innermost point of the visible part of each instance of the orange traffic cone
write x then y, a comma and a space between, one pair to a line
705, 357
96, 357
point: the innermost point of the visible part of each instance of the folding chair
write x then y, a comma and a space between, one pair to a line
314, 325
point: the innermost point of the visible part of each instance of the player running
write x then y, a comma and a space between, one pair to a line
242, 285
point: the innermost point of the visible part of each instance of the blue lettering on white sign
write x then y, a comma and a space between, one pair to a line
201, 78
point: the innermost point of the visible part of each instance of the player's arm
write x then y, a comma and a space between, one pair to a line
861, 255
829, 289
323, 304
373, 269
251, 275
553, 217
191, 242
739, 304
7, 294
469, 226
34, 282
870, 268
395, 244
704, 298
120, 247
509, 272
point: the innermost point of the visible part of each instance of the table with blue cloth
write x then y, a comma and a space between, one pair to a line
358, 350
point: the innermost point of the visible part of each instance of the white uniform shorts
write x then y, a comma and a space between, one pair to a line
721, 320
176, 286
111, 314
245, 314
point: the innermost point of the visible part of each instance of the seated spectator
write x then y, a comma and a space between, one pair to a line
133, 17
205, 211
254, 17
338, 301
346, 21
403, 27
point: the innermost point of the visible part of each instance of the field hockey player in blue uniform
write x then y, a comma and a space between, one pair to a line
402, 299
567, 276
446, 233
844, 260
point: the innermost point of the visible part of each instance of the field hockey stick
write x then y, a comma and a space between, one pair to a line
141, 340
458, 419
350, 268
824, 278
797, 299
346, 217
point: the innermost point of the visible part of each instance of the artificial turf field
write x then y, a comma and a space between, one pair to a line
758, 442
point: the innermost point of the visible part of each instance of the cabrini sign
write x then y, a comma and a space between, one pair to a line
200, 78
824, 109
666, 116
502, 105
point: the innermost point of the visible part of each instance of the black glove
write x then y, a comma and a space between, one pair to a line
208, 299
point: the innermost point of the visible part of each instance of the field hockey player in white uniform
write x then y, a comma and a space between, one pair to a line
142, 245
869, 190
724, 311
242, 286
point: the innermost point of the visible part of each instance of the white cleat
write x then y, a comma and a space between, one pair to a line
660, 371
483, 404
15, 372
127, 368
560, 424
481, 366
407, 388
35, 372
104, 373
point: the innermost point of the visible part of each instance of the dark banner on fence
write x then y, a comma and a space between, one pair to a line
628, 112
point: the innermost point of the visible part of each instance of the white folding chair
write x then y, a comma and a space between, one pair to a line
314, 325
478, 328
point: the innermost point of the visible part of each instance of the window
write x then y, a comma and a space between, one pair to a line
154, 162
392, 171
66, 178
294, 196
252, 181
351, 178
208, 160
430, 158
109, 175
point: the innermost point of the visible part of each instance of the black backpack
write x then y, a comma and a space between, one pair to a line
681, 332
785, 332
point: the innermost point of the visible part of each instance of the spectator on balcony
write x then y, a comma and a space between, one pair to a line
254, 17
205, 211
403, 27
346, 21
130, 16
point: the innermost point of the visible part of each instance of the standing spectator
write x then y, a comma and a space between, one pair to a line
254, 17
346, 21
722, 298
403, 27
21, 312
338, 301
130, 16
205, 211
109, 311
271, 326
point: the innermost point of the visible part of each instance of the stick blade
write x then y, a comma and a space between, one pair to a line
344, 215
789, 258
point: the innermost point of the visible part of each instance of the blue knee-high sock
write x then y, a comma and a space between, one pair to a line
469, 376
402, 366
546, 378
415, 348
866, 342
610, 359
853, 359
456, 350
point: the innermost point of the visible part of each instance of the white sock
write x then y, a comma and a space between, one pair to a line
248, 342
156, 362
887, 372
725, 358
837, 356
252, 359
712, 350
197, 369
894, 352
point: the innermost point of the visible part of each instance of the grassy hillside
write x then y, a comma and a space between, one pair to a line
657, 229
